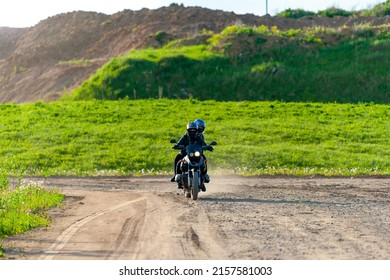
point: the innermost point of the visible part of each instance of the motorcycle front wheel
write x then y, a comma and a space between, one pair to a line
195, 186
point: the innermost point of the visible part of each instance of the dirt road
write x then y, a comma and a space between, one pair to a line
237, 218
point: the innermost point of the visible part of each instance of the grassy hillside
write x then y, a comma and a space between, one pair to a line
257, 64
132, 137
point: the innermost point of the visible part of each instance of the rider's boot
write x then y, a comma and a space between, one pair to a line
173, 178
178, 179
206, 178
203, 187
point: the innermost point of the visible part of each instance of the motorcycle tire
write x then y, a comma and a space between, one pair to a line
195, 187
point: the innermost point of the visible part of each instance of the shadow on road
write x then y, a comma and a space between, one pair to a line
251, 200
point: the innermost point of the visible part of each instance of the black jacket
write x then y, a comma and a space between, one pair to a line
185, 140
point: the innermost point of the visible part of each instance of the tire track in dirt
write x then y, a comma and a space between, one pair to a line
201, 239
67, 234
167, 229
130, 231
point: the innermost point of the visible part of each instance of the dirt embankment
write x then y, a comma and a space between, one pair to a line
237, 218
47, 60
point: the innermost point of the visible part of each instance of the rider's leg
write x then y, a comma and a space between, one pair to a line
178, 172
178, 157
206, 177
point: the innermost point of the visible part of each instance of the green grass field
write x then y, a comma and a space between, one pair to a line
132, 137
24, 207
297, 102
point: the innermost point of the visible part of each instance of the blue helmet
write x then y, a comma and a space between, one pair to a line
201, 125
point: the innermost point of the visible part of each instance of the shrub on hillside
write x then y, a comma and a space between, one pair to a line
334, 12
295, 13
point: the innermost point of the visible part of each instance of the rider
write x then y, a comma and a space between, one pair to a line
190, 137
201, 127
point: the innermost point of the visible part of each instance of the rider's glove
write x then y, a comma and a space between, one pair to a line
210, 148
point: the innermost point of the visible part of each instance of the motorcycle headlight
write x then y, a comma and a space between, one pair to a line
197, 154
191, 154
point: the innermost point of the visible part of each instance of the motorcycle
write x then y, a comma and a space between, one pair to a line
193, 166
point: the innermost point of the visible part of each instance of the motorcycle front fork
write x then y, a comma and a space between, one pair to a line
186, 178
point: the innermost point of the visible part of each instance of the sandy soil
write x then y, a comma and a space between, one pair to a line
237, 218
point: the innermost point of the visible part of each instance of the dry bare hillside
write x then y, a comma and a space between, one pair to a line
45, 61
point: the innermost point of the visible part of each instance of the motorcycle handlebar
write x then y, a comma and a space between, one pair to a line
208, 148
182, 147
179, 147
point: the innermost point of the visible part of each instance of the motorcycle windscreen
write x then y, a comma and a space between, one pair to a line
194, 152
